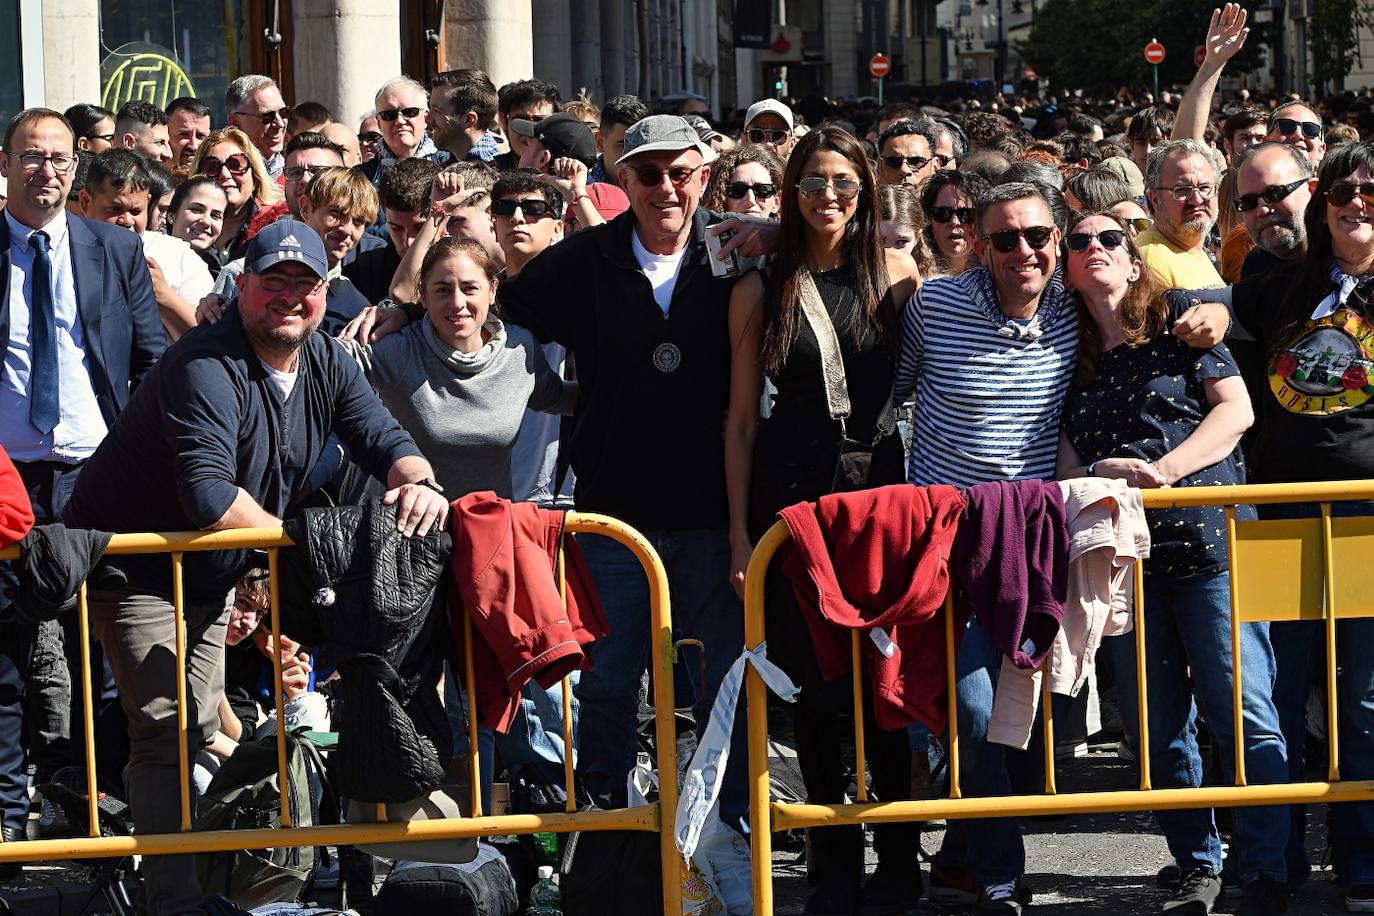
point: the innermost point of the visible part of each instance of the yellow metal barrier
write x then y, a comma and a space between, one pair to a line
1293, 564
649, 818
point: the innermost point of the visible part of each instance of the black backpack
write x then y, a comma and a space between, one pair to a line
244, 795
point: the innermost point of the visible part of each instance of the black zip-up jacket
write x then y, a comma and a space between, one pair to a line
648, 447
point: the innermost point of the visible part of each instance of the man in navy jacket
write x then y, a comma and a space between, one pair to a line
81, 329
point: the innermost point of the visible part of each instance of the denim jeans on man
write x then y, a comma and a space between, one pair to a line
990, 848
1188, 628
704, 607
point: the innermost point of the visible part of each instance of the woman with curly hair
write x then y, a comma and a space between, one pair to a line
745, 180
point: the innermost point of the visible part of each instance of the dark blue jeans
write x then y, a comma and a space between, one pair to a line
1188, 628
704, 607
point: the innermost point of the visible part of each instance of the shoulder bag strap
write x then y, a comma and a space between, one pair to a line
832, 362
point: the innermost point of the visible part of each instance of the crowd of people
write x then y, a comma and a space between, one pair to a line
691, 325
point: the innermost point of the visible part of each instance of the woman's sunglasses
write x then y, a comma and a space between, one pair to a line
1006, 240
736, 190
1111, 239
1344, 192
845, 188
237, 164
946, 214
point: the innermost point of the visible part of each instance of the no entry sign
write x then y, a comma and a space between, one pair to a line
879, 66
1154, 53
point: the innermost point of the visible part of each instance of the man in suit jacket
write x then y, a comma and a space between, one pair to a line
81, 327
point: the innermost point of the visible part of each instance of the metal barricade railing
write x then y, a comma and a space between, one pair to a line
1295, 564
648, 818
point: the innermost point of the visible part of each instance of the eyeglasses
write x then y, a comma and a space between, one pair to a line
763, 135
1110, 239
1310, 129
108, 138
916, 162
1140, 223
392, 114
281, 114
651, 176
1006, 240
280, 283
370, 136
845, 188
530, 208
236, 164
946, 214
1183, 192
736, 190
297, 172
1244, 203
1344, 192
32, 162
943, 161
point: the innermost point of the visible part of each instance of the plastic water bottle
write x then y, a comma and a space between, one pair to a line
544, 897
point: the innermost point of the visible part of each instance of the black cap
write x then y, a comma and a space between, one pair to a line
562, 135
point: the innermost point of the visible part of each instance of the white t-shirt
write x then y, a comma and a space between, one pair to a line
285, 381
186, 273
661, 270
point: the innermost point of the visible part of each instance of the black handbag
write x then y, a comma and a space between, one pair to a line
855, 461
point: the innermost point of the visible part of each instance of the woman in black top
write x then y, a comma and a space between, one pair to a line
830, 232
1148, 409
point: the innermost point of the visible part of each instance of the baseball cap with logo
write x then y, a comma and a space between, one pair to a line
562, 134
286, 240
663, 133
769, 106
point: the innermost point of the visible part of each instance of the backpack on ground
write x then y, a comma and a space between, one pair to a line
482, 887
244, 794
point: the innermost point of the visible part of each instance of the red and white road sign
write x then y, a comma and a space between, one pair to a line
879, 66
1154, 53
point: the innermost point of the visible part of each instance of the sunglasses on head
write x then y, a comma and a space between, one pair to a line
1244, 203
1310, 129
736, 190
530, 208
1006, 240
392, 114
947, 214
916, 162
1110, 239
845, 188
651, 176
370, 136
764, 135
1344, 192
237, 164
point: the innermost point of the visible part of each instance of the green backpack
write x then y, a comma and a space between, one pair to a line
244, 794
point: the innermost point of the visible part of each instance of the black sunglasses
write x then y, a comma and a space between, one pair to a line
736, 190
531, 208
392, 114
945, 214
916, 162
1244, 203
370, 136
1110, 239
1344, 192
1006, 240
1310, 129
762, 135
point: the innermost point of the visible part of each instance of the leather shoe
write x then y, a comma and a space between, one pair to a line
12, 869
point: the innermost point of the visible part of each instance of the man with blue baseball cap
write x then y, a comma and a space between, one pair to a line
222, 433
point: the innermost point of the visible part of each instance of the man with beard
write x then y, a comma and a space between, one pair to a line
188, 124
221, 434
1274, 184
1181, 184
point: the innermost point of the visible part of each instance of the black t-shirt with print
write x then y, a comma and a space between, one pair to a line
1317, 411
1144, 402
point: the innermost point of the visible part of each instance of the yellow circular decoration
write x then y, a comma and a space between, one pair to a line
149, 76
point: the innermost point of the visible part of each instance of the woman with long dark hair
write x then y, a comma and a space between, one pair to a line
947, 200
830, 242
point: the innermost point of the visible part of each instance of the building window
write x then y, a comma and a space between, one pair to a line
11, 63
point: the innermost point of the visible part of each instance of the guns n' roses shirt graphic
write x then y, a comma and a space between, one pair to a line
1326, 367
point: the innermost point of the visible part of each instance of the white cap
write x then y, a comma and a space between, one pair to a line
769, 106
545, 872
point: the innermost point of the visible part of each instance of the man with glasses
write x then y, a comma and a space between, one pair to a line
1181, 184
906, 153
1274, 184
1297, 125
222, 434
81, 325
255, 106
402, 112
769, 122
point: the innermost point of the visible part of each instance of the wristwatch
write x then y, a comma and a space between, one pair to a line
1092, 469
429, 482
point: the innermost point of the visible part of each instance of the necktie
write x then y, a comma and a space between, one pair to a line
43, 408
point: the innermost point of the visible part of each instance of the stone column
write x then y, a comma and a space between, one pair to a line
344, 51
71, 54
494, 35
586, 49
614, 56
553, 53
841, 48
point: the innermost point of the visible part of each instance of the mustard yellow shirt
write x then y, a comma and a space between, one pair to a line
1174, 267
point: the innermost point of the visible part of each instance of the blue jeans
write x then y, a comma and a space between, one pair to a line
1188, 628
704, 607
991, 849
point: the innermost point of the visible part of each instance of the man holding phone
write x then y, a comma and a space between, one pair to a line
562, 149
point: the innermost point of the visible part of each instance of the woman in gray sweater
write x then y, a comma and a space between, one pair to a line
460, 381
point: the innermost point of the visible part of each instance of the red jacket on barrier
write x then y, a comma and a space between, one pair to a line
504, 563
879, 558
16, 513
